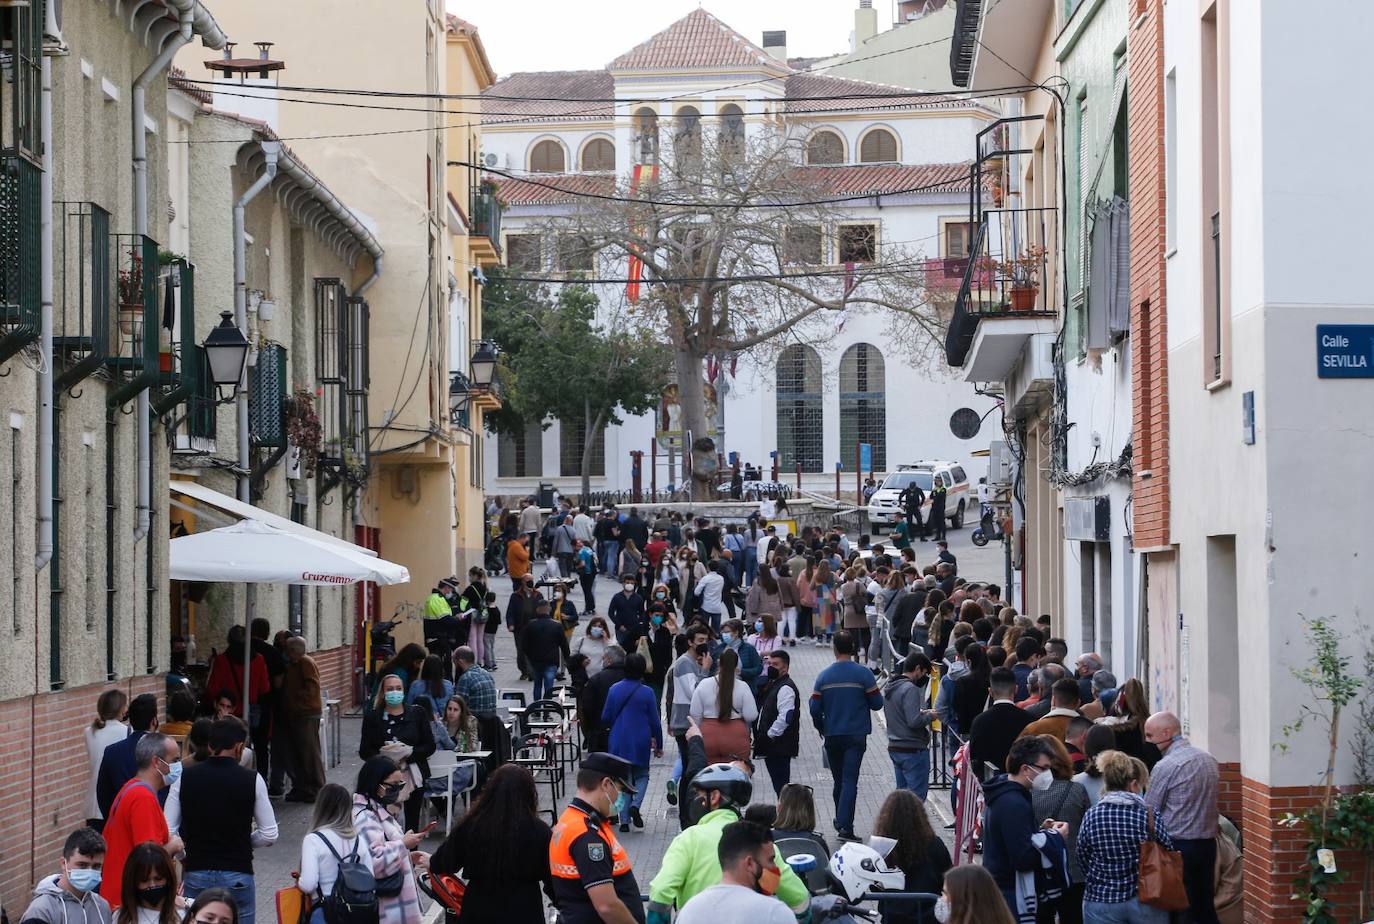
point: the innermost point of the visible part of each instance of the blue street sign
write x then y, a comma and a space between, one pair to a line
1345, 351
734, 457
866, 457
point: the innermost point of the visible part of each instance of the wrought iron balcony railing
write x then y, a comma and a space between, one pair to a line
484, 214
19, 253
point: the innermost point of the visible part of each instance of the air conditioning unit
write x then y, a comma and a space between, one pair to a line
488, 159
1088, 519
1001, 465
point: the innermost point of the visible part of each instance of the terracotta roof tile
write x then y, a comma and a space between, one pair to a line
568, 86
810, 85
535, 190
696, 40
176, 77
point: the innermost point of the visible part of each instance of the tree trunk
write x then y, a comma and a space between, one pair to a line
691, 396
593, 428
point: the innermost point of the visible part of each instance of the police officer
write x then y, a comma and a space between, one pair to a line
592, 878
911, 499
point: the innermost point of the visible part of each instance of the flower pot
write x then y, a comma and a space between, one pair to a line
1023, 298
164, 362
129, 314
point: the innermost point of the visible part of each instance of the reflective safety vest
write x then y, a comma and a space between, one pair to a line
572, 824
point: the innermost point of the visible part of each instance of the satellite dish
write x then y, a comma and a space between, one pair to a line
965, 423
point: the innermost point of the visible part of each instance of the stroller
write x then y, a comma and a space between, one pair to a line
494, 559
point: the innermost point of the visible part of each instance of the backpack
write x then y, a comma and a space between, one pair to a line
353, 900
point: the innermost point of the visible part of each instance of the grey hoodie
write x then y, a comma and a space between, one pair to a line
908, 729
944, 702
53, 904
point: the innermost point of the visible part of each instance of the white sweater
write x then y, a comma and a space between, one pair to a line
741, 701
319, 869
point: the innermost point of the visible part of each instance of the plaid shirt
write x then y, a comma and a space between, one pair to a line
479, 689
1109, 846
1183, 789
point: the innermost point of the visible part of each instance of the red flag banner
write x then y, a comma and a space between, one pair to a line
643, 175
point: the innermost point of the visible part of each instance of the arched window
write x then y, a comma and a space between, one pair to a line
646, 136
825, 147
598, 155
801, 420
863, 406
878, 147
546, 157
732, 130
687, 134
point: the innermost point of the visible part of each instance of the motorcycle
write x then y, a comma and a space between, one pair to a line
989, 528
858, 873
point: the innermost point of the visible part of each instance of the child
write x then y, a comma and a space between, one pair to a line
489, 632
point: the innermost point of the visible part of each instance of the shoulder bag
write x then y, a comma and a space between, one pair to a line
1160, 878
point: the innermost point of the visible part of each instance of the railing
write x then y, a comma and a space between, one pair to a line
484, 214
83, 289
20, 286
132, 355
177, 370
267, 397
194, 427
1008, 269
21, 31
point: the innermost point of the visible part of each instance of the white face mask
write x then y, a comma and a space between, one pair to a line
1043, 780
941, 910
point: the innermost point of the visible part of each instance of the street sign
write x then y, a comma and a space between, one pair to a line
1345, 351
865, 457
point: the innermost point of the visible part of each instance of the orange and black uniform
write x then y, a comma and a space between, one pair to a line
584, 853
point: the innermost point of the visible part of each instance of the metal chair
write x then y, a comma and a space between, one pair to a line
443, 765
510, 697
538, 754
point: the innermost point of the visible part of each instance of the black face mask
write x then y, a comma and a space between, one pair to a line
391, 794
152, 896
773, 673
921, 681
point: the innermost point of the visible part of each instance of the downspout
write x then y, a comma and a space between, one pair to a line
140, 139
271, 150
376, 271
46, 372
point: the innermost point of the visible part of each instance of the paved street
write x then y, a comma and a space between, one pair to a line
274, 865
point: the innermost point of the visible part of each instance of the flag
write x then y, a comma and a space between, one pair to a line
646, 174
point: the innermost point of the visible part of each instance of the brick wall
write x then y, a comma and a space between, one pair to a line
1149, 353
1229, 796
336, 673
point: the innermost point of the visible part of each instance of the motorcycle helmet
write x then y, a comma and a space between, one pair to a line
730, 781
858, 868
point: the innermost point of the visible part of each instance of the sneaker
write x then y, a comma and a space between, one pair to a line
845, 835
624, 828
672, 792
636, 818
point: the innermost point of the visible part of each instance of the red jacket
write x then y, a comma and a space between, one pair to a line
227, 674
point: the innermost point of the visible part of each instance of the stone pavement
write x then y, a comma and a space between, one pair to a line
274, 865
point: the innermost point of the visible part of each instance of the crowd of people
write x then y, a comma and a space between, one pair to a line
1068, 771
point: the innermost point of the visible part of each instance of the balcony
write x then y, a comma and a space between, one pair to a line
176, 369
1005, 297
1014, 29
19, 254
132, 352
193, 428
83, 289
484, 225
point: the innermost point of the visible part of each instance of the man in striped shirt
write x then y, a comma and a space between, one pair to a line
1183, 788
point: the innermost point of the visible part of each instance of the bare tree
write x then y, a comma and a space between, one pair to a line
742, 247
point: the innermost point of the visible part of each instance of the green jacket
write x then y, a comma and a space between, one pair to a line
437, 607
691, 866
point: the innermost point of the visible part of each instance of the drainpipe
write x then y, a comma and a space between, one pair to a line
376, 271
45, 376
140, 139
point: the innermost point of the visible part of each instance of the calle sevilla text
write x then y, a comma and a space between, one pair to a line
326, 578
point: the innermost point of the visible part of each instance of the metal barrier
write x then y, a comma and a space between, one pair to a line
967, 812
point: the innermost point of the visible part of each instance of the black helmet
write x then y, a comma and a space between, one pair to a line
730, 781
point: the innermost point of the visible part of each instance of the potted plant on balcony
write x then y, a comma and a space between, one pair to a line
130, 288
1023, 271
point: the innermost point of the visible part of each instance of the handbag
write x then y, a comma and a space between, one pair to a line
1159, 881
645, 652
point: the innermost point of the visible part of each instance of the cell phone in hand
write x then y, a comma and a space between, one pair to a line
429, 827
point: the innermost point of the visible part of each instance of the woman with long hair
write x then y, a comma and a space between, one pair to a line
823, 583
790, 598
1066, 801
457, 731
971, 896
1098, 739
148, 889
971, 690
723, 707
663, 596
333, 837
918, 853
501, 846
402, 733
630, 561
431, 683
1127, 718
884, 614
213, 906
107, 729
764, 596
376, 799
796, 816
405, 664
1109, 844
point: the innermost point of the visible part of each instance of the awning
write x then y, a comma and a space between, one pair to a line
254, 552
241, 511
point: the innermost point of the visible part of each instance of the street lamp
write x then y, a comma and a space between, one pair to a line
458, 398
226, 351
483, 364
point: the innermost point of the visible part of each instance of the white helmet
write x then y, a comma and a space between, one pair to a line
858, 868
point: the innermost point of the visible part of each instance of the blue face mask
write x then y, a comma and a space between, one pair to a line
657, 620
84, 880
622, 802
758, 626
727, 637
395, 697
173, 772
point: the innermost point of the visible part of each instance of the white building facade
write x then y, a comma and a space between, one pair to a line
837, 382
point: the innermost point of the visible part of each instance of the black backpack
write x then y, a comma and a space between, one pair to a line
353, 900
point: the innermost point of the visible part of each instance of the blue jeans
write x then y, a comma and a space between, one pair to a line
751, 564
545, 676
846, 756
1130, 911
912, 769
639, 779
239, 885
610, 554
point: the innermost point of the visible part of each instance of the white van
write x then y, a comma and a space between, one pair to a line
884, 508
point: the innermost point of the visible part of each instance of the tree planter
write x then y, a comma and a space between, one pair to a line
1023, 298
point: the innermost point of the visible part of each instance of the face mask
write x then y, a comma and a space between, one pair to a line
766, 882
394, 697
758, 626
727, 637
660, 596
391, 794
152, 897
622, 802
596, 632
1043, 780
656, 620
773, 673
84, 880
629, 588
941, 910
173, 772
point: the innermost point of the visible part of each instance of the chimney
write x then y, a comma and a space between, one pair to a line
775, 43
865, 23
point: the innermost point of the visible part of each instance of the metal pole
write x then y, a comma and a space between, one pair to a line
653, 467
799, 479
837, 482
858, 474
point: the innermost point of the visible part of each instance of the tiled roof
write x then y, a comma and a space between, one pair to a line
810, 85
838, 181
535, 190
177, 78
568, 86
454, 24
696, 40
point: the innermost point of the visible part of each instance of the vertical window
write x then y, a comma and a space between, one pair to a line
803, 245
598, 156
575, 254
546, 157
687, 135
646, 136
1170, 162
1213, 226
878, 147
957, 238
732, 130
801, 426
523, 252
572, 437
521, 454
825, 147
863, 405
857, 244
